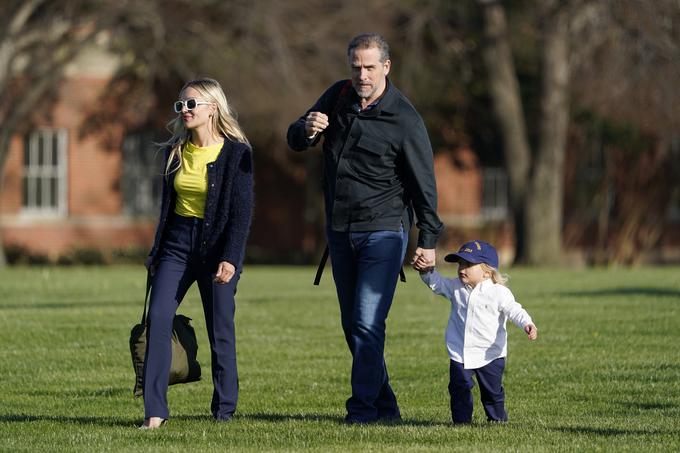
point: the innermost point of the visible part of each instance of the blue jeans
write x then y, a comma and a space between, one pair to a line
365, 269
179, 266
490, 379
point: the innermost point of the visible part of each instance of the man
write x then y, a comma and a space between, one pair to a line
377, 165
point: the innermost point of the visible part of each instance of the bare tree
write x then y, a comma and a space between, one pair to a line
273, 58
627, 71
536, 188
38, 39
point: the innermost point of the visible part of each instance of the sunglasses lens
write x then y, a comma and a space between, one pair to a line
191, 104
178, 106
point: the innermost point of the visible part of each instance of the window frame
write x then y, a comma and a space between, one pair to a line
34, 171
496, 179
144, 173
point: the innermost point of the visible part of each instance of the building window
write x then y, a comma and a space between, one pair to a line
494, 194
142, 170
44, 175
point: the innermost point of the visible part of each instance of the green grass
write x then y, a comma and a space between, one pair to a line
604, 374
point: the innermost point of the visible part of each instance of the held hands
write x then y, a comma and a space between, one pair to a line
314, 123
423, 259
225, 272
531, 331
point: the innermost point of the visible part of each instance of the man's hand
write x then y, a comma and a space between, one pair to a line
314, 123
225, 272
423, 259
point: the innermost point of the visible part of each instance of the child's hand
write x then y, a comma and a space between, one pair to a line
531, 331
423, 259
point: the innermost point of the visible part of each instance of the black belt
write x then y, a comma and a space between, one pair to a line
322, 264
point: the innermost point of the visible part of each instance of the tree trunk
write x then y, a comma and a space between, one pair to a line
545, 204
508, 109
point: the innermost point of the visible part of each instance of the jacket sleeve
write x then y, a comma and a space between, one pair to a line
421, 183
297, 135
240, 210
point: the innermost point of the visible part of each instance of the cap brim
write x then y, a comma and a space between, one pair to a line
456, 257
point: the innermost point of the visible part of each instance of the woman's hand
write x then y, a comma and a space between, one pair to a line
225, 272
148, 263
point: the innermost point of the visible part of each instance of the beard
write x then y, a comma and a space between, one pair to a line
364, 91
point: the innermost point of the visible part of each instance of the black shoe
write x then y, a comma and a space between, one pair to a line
390, 419
353, 420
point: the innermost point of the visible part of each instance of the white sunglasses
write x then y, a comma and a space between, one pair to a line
189, 103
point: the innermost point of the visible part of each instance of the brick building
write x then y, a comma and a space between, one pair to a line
65, 188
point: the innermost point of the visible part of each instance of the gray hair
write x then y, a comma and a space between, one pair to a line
368, 40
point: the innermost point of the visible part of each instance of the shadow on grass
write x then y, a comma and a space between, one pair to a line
70, 305
106, 392
82, 420
611, 432
273, 418
646, 406
331, 418
640, 291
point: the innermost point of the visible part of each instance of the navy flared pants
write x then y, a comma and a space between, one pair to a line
178, 267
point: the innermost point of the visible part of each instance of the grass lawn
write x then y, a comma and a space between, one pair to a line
604, 374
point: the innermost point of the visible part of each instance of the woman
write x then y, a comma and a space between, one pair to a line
204, 222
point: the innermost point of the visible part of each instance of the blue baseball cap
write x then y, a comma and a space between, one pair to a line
475, 252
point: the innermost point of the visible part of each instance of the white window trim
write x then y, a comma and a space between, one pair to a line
62, 174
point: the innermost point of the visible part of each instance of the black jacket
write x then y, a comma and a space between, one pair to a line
377, 164
228, 206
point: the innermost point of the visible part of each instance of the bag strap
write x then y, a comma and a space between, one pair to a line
338, 101
146, 297
343, 92
322, 264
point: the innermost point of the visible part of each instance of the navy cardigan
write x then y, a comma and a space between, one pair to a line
228, 206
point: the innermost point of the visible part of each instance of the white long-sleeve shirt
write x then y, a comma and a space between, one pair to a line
476, 334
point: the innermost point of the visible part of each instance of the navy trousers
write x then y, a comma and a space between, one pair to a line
490, 380
365, 269
178, 267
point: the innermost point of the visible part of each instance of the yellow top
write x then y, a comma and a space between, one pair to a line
191, 180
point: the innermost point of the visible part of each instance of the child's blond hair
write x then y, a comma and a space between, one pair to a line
496, 276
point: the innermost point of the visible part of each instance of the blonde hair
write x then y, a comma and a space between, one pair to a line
496, 276
223, 122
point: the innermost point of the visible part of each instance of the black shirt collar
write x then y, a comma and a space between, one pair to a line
385, 103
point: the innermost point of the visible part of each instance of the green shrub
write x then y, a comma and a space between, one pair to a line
17, 254
84, 256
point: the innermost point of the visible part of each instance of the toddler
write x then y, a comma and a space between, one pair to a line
476, 337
